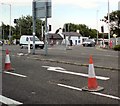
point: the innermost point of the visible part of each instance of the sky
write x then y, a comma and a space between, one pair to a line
88, 12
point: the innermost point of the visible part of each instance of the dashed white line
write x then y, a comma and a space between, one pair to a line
15, 74
9, 101
95, 93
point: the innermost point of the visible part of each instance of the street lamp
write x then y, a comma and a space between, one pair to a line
97, 25
108, 22
10, 19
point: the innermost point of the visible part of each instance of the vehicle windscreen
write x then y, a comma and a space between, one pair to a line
36, 39
88, 40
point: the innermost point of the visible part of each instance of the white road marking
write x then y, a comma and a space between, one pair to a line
15, 74
9, 101
62, 70
95, 93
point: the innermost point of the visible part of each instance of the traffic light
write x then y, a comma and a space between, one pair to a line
66, 27
50, 27
102, 28
63, 30
15, 21
42, 24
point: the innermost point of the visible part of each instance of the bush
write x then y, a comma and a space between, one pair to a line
117, 48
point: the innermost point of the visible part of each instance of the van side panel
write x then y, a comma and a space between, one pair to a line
24, 41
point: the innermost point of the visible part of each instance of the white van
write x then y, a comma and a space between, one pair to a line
24, 41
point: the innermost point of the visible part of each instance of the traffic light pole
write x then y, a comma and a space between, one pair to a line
46, 31
109, 22
34, 22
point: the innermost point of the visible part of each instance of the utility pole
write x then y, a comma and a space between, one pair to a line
10, 25
9, 20
46, 29
34, 24
97, 25
109, 23
42, 30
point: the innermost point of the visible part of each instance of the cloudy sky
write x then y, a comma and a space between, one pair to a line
63, 11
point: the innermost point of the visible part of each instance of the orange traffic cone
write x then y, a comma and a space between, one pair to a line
7, 66
92, 81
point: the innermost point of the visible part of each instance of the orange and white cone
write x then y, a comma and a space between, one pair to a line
92, 81
7, 66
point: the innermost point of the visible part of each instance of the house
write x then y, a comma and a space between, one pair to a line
54, 39
68, 38
74, 37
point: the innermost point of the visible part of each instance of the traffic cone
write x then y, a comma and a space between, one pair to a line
7, 66
92, 81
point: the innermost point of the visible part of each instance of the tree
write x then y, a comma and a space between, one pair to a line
114, 22
5, 31
84, 30
24, 26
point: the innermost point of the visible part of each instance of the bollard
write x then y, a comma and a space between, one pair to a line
28, 45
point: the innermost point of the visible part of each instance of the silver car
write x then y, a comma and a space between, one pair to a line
89, 42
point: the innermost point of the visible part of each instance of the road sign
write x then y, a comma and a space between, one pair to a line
40, 8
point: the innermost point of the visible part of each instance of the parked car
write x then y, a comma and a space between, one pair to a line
89, 42
24, 41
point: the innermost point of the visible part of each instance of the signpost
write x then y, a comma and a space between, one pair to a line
41, 9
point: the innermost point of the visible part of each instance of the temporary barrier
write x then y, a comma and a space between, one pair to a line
7, 66
92, 81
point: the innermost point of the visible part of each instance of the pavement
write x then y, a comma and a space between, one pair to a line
63, 57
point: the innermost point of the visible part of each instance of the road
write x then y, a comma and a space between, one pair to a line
35, 83
102, 57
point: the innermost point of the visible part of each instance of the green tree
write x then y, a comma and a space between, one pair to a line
114, 22
24, 26
84, 30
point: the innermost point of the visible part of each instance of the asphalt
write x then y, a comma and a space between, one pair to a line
67, 60
60, 55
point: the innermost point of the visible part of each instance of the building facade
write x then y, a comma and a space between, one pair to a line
74, 37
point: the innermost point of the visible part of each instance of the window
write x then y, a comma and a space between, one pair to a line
78, 41
27, 39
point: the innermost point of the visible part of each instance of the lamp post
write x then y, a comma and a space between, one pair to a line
97, 25
109, 22
9, 20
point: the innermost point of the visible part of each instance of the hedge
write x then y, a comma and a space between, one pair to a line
117, 48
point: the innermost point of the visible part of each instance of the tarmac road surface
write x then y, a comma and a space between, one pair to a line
33, 83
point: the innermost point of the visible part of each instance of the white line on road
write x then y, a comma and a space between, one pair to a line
96, 93
62, 70
9, 101
15, 74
